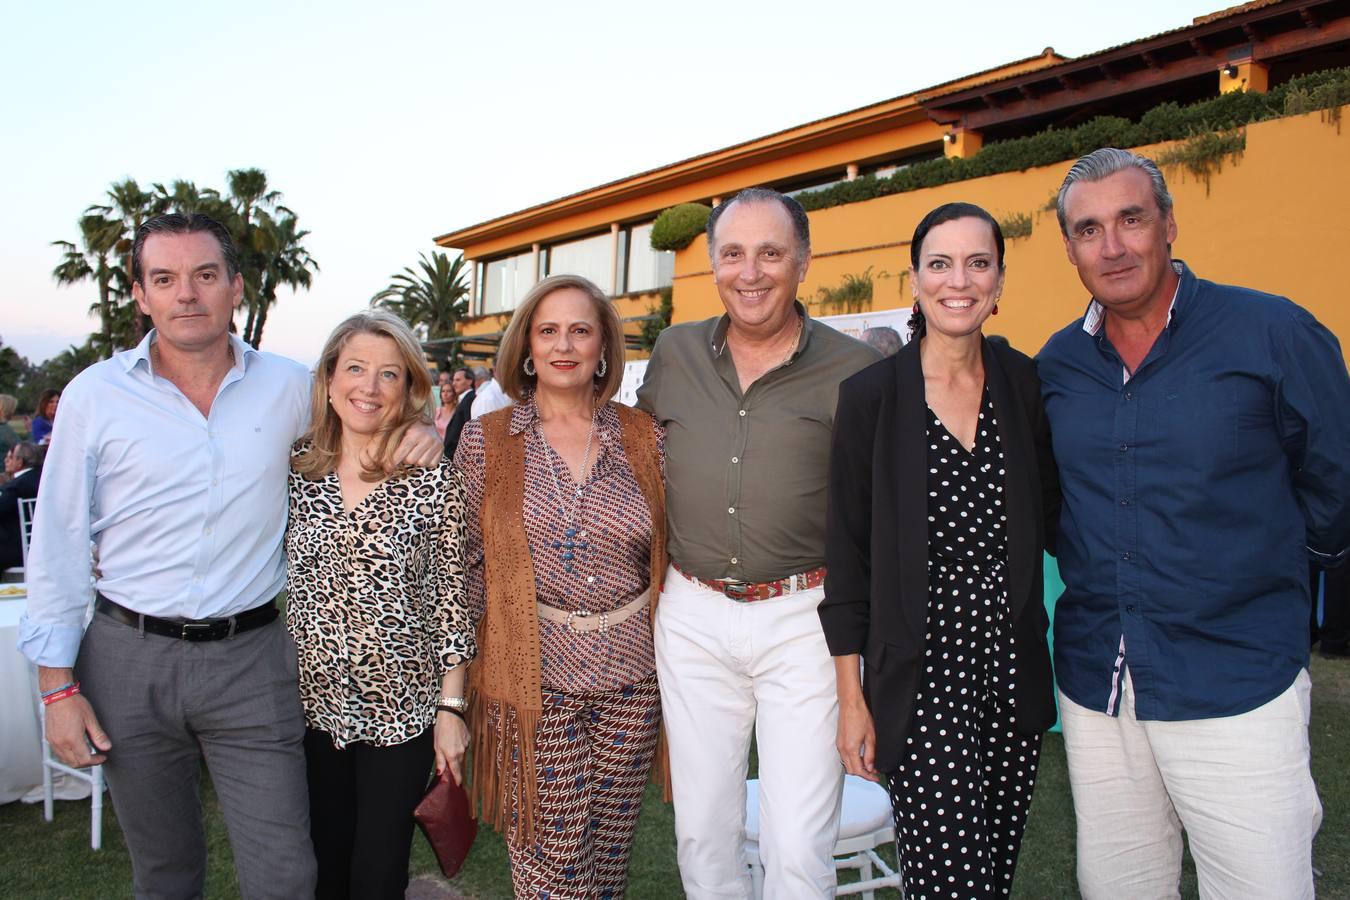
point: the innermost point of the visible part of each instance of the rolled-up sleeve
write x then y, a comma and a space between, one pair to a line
453, 624
1314, 420
60, 565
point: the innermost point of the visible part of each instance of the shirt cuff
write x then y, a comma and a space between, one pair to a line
53, 646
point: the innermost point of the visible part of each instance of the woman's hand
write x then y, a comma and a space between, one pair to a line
857, 740
451, 736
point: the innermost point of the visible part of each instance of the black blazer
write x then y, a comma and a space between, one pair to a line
457, 421
25, 487
876, 588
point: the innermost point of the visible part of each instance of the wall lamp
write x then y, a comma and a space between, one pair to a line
1230, 70
950, 137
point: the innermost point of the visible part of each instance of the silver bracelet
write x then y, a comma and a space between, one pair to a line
456, 703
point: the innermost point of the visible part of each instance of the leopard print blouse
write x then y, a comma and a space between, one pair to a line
376, 602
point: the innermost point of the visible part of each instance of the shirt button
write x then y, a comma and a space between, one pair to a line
731, 510
735, 561
1129, 395
1124, 447
590, 579
1129, 609
215, 481
735, 459
1127, 556
197, 580
741, 413
1124, 501
207, 530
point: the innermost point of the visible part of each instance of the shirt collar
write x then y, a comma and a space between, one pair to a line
22, 471
141, 353
1095, 316
718, 339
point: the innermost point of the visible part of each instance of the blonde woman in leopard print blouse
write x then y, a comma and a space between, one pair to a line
376, 608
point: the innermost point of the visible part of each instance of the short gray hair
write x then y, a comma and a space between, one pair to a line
480, 373
27, 453
883, 338
1104, 163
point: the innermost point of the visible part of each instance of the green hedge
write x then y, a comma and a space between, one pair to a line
677, 227
1167, 122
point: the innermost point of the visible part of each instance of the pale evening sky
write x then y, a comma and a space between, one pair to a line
386, 124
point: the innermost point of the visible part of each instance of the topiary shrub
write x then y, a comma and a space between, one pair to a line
677, 227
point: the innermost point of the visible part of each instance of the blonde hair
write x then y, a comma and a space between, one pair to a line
325, 429
515, 346
8, 405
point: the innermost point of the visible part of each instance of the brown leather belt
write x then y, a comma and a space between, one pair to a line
190, 629
750, 592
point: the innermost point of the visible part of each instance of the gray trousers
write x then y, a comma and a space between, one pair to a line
165, 705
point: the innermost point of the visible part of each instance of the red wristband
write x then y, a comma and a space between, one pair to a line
61, 694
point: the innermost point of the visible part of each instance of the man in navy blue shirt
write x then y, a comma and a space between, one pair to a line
1204, 454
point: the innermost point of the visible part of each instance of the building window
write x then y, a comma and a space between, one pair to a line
646, 269
588, 257
505, 282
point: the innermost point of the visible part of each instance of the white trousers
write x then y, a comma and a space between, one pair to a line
724, 667
1240, 786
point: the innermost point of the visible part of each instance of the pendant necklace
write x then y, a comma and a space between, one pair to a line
572, 540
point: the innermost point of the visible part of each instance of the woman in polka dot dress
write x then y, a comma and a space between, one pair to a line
943, 491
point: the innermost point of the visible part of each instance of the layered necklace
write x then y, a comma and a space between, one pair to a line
573, 540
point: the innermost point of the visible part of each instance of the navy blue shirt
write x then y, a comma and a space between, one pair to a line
1194, 493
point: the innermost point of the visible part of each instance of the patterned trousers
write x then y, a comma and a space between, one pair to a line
593, 753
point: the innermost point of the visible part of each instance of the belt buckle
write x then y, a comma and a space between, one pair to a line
585, 615
738, 590
198, 631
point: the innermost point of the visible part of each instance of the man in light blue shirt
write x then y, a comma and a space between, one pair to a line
172, 459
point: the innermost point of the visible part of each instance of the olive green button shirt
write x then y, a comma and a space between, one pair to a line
746, 473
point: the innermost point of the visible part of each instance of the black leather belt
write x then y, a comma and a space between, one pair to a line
190, 629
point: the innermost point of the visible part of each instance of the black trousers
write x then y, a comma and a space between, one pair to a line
361, 801
1335, 631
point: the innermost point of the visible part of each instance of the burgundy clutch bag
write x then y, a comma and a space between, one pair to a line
446, 819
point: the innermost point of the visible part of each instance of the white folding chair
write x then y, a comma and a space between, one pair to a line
93, 775
26, 508
865, 823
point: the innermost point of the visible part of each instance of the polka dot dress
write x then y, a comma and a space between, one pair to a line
963, 789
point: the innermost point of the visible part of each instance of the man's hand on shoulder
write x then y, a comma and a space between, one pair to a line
421, 446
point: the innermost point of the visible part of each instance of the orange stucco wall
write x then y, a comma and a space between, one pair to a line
1276, 219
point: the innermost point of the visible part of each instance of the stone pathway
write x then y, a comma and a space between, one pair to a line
432, 887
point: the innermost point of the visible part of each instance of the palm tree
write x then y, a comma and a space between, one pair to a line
434, 299
92, 259
130, 206
282, 261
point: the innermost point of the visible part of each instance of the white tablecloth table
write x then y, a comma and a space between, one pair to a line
20, 727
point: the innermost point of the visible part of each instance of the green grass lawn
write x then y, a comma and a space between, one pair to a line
54, 861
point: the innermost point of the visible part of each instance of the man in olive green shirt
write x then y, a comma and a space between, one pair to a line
748, 401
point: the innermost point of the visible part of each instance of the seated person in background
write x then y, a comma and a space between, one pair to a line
44, 417
22, 467
8, 436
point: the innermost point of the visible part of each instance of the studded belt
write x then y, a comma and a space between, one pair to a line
750, 592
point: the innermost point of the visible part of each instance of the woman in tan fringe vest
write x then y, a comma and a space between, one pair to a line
565, 542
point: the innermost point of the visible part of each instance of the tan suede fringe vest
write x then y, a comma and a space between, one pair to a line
505, 695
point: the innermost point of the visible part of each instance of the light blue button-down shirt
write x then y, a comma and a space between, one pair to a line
187, 513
